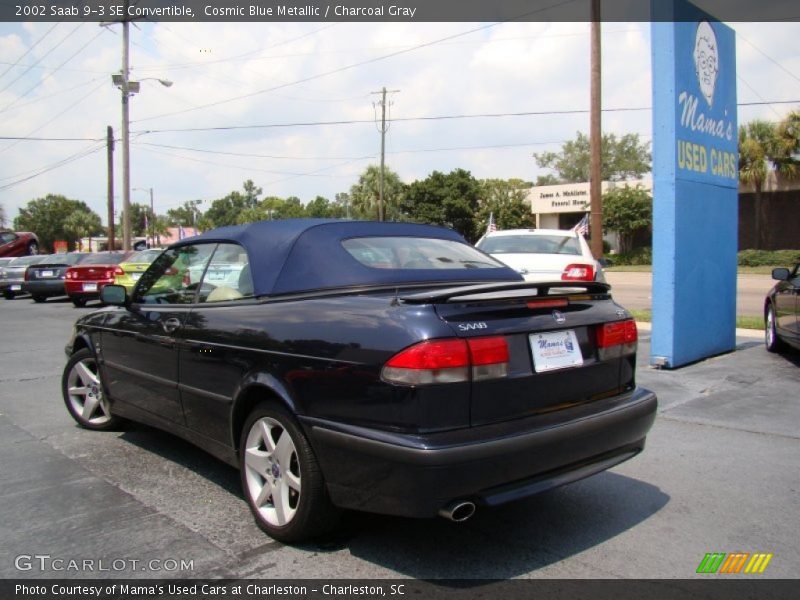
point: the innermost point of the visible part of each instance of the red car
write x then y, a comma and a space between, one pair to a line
18, 243
84, 281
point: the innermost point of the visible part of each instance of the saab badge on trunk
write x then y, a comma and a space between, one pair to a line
559, 317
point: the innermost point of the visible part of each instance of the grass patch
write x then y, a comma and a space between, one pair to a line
742, 322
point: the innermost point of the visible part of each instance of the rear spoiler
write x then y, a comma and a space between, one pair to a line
503, 290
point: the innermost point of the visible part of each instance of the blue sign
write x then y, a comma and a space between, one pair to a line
695, 185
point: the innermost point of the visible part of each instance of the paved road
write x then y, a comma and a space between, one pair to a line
634, 291
720, 473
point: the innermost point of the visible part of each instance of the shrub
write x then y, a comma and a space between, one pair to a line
768, 258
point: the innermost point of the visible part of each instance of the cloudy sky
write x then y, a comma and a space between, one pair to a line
238, 81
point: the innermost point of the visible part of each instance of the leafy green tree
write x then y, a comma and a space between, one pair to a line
186, 215
622, 158
626, 210
251, 193
292, 208
47, 217
141, 216
81, 224
364, 195
548, 179
251, 215
322, 208
507, 201
449, 199
162, 225
224, 211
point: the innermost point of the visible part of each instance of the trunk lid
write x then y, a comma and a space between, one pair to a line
551, 332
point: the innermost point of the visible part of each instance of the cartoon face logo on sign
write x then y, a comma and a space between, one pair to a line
706, 60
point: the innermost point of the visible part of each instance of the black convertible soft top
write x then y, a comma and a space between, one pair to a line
300, 255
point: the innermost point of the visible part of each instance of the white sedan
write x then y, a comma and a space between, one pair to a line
544, 254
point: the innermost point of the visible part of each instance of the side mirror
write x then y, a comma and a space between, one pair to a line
781, 274
114, 295
606, 262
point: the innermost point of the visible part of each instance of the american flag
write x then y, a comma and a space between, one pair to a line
582, 226
492, 227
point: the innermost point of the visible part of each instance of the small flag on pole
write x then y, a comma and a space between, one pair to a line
492, 227
582, 226
181, 233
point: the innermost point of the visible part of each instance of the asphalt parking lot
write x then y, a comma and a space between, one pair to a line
720, 474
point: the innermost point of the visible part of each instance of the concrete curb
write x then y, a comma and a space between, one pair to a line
748, 333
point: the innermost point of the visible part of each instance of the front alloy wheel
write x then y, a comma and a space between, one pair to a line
771, 339
281, 478
83, 392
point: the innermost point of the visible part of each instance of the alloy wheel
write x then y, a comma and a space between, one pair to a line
272, 471
85, 393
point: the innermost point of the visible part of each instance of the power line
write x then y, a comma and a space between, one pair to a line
33, 174
351, 66
49, 75
768, 57
64, 91
18, 77
28, 51
245, 155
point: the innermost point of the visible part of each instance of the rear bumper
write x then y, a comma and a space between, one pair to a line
416, 475
75, 289
48, 288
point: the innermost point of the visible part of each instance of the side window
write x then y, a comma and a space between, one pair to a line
227, 276
174, 277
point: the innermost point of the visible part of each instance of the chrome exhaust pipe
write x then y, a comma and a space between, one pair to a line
458, 511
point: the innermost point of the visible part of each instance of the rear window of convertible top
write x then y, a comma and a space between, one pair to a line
417, 253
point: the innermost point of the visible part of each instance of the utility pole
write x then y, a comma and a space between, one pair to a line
110, 153
383, 129
126, 159
595, 139
152, 220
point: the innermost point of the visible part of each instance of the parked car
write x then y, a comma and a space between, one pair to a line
130, 270
12, 277
84, 281
46, 279
18, 243
337, 372
544, 254
782, 311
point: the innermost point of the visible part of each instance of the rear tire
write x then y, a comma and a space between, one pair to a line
78, 302
33, 248
281, 478
771, 339
39, 299
8, 295
83, 393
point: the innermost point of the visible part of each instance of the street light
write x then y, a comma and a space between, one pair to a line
128, 88
152, 226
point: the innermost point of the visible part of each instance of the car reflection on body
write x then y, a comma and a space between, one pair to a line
384, 367
782, 311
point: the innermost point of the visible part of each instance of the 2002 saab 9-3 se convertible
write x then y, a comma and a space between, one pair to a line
383, 367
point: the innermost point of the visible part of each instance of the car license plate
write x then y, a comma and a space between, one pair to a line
89, 287
45, 273
136, 276
555, 350
15, 288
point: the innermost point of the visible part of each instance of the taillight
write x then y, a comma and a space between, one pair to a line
578, 272
617, 339
119, 271
449, 361
27, 274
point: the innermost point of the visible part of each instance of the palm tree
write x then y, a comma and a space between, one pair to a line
81, 224
364, 194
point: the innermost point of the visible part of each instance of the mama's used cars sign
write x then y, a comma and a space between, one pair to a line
695, 184
706, 104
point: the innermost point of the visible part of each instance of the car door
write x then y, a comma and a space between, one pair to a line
139, 349
786, 305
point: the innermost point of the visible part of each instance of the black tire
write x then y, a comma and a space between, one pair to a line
78, 302
772, 342
8, 295
313, 512
33, 248
38, 299
99, 418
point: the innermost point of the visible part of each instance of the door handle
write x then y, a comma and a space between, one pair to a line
170, 325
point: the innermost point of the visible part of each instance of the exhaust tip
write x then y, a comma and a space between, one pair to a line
458, 512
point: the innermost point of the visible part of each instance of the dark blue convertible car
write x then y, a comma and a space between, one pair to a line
381, 367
